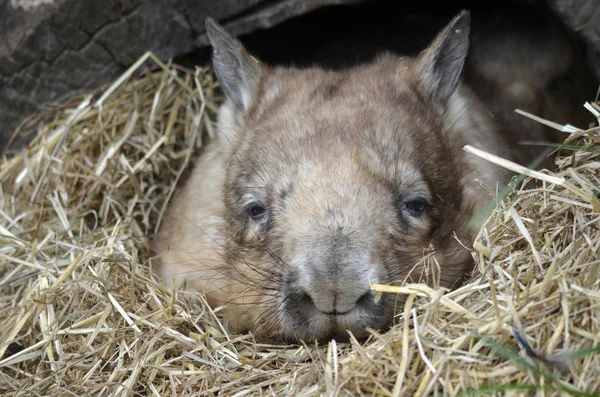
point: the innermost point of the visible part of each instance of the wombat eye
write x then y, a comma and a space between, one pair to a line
257, 211
416, 207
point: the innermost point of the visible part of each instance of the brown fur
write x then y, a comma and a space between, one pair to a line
336, 158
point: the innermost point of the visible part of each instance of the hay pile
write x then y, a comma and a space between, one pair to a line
80, 313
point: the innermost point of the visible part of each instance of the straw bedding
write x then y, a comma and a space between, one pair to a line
81, 313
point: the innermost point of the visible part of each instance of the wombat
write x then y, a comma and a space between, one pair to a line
321, 183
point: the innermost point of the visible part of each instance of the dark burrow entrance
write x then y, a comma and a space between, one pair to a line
340, 36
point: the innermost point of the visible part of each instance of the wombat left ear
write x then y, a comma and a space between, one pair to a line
441, 64
237, 71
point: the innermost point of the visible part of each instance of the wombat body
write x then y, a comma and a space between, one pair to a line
321, 183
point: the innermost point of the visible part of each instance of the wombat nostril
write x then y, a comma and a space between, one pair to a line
305, 303
331, 303
365, 300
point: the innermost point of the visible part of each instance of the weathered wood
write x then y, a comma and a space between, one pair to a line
54, 49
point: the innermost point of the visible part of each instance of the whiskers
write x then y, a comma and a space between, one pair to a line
248, 277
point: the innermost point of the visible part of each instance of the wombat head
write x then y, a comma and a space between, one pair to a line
338, 180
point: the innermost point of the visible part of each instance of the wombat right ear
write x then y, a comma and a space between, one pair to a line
237, 71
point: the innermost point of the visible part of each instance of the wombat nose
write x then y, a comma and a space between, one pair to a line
335, 299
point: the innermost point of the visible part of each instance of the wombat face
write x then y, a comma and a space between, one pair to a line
335, 181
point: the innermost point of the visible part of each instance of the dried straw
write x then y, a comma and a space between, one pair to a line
81, 313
